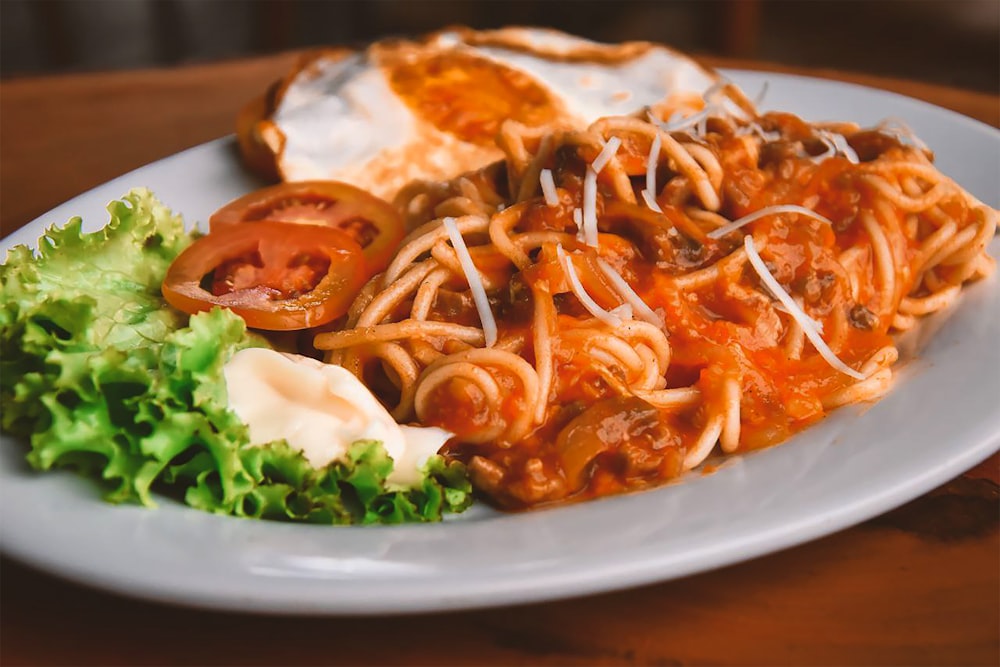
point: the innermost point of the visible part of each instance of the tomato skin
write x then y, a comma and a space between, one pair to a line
274, 274
373, 222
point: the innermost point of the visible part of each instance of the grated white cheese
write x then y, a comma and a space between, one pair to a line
659, 123
589, 227
629, 295
623, 311
841, 146
719, 232
702, 129
816, 323
902, 131
592, 306
712, 92
712, 107
752, 127
651, 201
683, 123
716, 104
608, 152
757, 101
548, 187
715, 97
475, 281
675, 117
578, 220
800, 316
830, 151
651, 163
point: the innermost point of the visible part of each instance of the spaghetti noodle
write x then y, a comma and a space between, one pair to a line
721, 279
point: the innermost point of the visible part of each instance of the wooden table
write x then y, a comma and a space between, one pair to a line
920, 585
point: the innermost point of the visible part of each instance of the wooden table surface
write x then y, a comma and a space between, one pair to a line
919, 585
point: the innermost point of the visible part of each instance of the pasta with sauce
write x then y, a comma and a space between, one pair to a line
604, 308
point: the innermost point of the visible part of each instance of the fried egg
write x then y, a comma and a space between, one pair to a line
402, 111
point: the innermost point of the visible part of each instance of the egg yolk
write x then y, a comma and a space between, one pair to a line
469, 96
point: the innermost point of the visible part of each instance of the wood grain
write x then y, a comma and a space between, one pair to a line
877, 594
63, 135
917, 586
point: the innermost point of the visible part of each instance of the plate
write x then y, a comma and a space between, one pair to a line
942, 418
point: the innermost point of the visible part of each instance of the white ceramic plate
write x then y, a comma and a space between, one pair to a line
942, 418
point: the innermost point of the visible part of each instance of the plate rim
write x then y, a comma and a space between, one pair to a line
570, 585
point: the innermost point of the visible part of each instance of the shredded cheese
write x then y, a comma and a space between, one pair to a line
589, 227
683, 123
902, 131
578, 220
717, 103
588, 219
651, 117
608, 152
752, 127
651, 163
716, 99
719, 232
651, 201
712, 92
816, 323
800, 316
475, 281
702, 128
842, 147
757, 101
629, 295
548, 187
622, 311
585, 299
830, 151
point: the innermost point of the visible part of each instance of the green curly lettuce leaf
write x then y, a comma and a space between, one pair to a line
102, 376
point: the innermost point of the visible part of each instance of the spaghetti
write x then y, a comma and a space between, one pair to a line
718, 280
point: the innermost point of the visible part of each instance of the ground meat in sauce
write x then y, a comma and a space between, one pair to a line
602, 441
862, 318
869, 144
776, 152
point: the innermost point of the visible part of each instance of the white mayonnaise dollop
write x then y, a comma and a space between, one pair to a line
321, 409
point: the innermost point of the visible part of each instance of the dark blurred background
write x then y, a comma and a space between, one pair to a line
953, 42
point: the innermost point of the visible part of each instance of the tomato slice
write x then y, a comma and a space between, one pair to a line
277, 276
373, 222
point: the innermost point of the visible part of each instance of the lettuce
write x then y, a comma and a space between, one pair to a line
100, 375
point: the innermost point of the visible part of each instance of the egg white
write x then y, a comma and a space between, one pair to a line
340, 119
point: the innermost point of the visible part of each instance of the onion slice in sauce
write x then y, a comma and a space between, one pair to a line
548, 187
